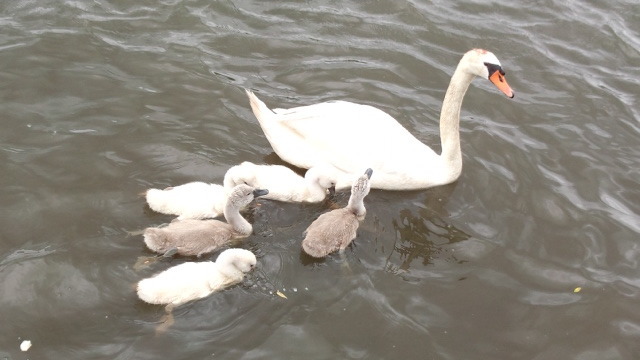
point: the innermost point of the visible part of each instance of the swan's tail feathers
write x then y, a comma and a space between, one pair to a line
260, 109
155, 240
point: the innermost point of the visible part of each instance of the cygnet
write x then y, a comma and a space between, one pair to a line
336, 229
196, 237
195, 280
283, 183
194, 200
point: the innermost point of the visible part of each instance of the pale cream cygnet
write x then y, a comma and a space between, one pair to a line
194, 200
195, 280
283, 183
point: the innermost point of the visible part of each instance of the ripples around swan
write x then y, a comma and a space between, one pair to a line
532, 253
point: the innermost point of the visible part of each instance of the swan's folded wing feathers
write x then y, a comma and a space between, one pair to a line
321, 127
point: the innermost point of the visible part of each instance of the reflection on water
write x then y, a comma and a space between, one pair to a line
419, 238
101, 101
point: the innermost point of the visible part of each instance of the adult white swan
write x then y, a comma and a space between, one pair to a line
352, 137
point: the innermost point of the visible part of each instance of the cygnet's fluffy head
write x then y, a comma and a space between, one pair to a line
240, 259
485, 64
241, 195
243, 173
322, 175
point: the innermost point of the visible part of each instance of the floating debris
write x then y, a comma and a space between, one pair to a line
25, 345
281, 294
577, 290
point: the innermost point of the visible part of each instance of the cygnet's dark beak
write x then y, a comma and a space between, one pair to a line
260, 192
332, 190
369, 172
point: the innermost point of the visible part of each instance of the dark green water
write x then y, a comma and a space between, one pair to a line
103, 99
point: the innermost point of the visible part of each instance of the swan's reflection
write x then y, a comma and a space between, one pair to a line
420, 235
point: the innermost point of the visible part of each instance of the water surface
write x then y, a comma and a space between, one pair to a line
102, 100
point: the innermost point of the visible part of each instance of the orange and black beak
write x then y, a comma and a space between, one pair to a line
496, 76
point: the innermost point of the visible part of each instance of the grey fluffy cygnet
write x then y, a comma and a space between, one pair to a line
336, 229
195, 280
196, 237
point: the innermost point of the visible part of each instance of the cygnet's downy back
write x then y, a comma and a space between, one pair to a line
197, 237
194, 200
283, 183
195, 280
336, 229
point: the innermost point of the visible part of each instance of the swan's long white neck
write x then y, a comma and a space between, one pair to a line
233, 217
450, 117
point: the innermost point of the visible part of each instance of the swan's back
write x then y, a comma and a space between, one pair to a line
330, 232
189, 237
370, 124
324, 125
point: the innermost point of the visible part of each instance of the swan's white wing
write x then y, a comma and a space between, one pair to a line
353, 137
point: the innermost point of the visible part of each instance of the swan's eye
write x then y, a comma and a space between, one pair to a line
493, 68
